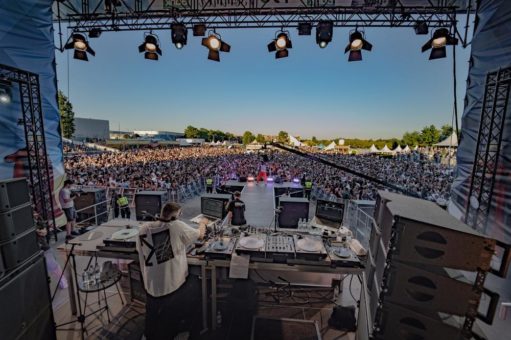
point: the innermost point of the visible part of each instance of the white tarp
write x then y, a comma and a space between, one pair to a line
331, 146
294, 141
452, 140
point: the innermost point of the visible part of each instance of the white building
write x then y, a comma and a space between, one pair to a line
159, 135
91, 128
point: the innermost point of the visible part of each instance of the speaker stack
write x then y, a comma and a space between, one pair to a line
88, 198
149, 203
414, 281
24, 291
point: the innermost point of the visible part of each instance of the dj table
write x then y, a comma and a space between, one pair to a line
92, 244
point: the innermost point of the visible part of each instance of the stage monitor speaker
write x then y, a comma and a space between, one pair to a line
149, 203
15, 221
13, 193
406, 324
17, 250
429, 289
292, 210
26, 311
87, 199
421, 232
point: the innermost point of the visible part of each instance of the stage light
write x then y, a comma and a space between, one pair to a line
441, 38
151, 47
79, 43
270, 179
296, 180
199, 30
95, 33
304, 28
179, 35
215, 45
421, 27
280, 45
324, 33
5, 91
250, 178
356, 45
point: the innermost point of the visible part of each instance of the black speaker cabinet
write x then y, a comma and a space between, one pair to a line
429, 289
17, 250
13, 192
15, 221
87, 199
149, 202
423, 233
26, 311
399, 323
137, 290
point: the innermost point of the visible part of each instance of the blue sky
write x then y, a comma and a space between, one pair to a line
313, 92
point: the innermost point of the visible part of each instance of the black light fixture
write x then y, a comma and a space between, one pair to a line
150, 46
95, 33
199, 30
356, 45
179, 35
215, 45
324, 33
81, 46
5, 91
280, 45
304, 28
111, 4
421, 27
441, 38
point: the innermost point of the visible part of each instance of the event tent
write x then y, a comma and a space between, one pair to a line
385, 149
398, 149
373, 149
294, 141
331, 146
407, 149
451, 141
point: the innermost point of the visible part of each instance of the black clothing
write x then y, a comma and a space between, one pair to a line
237, 207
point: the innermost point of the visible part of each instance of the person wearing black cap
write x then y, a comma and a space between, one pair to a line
236, 211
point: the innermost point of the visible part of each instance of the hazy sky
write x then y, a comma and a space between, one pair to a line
312, 92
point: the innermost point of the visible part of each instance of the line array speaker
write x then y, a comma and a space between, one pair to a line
13, 192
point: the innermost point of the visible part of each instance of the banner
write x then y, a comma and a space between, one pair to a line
26, 43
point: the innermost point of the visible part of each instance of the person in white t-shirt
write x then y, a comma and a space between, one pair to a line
66, 198
171, 293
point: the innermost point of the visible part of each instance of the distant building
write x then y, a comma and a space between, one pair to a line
89, 128
159, 135
120, 134
190, 141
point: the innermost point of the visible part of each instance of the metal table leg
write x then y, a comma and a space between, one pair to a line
204, 299
213, 297
71, 288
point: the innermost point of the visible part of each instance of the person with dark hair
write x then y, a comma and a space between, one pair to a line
66, 198
236, 210
171, 293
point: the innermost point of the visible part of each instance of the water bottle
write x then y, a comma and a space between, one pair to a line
219, 319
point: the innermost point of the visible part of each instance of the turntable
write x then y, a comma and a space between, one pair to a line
253, 245
343, 256
124, 238
309, 248
220, 248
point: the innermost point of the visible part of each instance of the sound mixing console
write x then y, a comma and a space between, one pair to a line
280, 247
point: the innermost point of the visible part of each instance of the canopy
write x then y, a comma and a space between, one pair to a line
386, 149
373, 148
416, 147
341, 142
294, 141
452, 140
407, 149
398, 149
331, 146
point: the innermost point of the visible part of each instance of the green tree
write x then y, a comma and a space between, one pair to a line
191, 132
445, 131
260, 138
430, 135
67, 116
248, 137
283, 137
314, 140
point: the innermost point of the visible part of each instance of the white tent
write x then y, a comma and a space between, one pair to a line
386, 149
331, 146
407, 149
341, 142
398, 149
294, 141
452, 141
416, 147
373, 149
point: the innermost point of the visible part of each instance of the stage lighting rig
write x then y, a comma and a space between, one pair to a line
324, 33
199, 30
441, 38
280, 45
95, 33
304, 28
179, 35
5, 91
215, 45
151, 47
356, 45
421, 27
79, 43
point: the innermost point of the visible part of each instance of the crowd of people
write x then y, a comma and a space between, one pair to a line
172, 167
